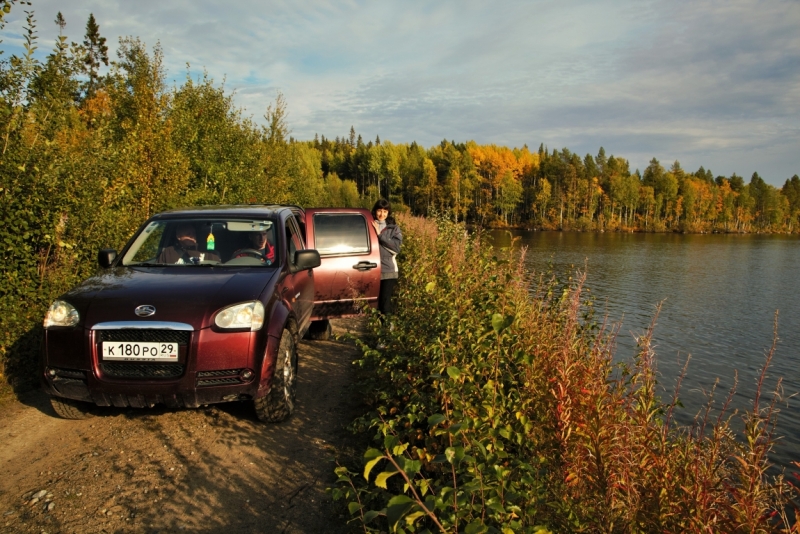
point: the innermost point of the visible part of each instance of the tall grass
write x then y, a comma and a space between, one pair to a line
497, 407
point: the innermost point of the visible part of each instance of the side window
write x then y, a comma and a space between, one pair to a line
339, 234
153, 237
293, 239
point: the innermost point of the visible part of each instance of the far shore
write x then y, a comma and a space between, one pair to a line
525, 228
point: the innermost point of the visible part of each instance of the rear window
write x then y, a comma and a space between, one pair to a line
340, 234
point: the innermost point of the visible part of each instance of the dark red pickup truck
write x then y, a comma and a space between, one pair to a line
206, 305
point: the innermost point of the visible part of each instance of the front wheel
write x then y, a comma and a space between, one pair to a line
71, 409
278, 404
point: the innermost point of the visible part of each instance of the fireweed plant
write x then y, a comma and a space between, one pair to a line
496, 407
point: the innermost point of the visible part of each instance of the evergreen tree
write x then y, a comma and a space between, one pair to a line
61, 42
600, 160
96, 52
759, 191
590, 166
791, 190
737, 183
677, 170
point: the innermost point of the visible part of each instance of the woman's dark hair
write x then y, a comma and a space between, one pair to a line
382, 204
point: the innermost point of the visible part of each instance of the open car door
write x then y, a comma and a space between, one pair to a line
350, 274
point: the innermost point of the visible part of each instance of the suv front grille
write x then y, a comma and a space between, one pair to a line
141, 370
133, 334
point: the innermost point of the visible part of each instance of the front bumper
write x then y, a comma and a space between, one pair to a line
213, 366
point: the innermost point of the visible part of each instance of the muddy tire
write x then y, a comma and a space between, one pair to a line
71, 409
278, 404
319, 330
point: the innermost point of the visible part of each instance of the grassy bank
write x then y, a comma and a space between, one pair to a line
496, 407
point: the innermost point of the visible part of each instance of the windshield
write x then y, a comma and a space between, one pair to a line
193, 242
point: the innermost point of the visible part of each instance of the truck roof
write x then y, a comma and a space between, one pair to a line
236, 210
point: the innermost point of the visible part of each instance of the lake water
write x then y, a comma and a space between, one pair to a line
719, 293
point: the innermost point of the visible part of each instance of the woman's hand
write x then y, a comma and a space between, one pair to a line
377, 228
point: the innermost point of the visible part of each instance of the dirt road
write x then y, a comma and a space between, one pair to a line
216, 469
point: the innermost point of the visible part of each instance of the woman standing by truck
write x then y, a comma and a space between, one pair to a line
390, 238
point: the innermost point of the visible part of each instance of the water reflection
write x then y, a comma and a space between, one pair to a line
719, 293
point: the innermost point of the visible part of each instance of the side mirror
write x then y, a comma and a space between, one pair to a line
306, 259
106, 257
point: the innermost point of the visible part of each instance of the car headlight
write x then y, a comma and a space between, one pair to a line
61, 313
246, 315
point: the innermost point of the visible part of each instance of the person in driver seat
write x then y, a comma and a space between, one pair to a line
261, 245
185, 248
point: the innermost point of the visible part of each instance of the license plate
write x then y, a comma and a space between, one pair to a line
140, 351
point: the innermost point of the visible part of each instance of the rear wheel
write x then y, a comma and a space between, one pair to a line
71, 409
319, 330
278, 404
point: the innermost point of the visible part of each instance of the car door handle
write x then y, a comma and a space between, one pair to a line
364, 266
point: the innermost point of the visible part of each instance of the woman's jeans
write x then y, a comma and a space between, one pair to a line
385, 296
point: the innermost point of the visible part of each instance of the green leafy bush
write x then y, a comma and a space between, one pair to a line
497, 408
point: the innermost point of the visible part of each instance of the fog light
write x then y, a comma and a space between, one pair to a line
51, 372
247, 374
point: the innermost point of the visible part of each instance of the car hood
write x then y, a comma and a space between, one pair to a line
186, 295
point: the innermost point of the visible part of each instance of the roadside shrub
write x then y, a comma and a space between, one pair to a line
497, 407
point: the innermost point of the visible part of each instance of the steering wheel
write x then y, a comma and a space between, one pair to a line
249, 252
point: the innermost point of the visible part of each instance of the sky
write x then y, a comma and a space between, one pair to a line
711, 83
